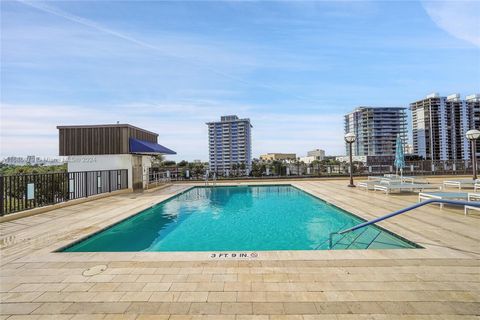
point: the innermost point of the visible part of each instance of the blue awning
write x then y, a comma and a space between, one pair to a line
141, 146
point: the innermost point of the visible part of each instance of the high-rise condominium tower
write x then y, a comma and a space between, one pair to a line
230, 147
376, 130
440, 124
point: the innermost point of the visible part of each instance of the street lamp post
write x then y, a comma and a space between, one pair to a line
473, 135
350, 139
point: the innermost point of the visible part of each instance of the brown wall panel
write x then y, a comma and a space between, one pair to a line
77, 140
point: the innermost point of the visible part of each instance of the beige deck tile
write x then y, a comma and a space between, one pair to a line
237, 308
269, 308
18, 308
286, 317
224, 277
104, 286
52, 308
222, 297
56, 317
153, 317
238, 286
205, 308
19, 296
299, 308
136, 296
193, 296
125, 278
130, 286
157, 286
256, 296
120, 317
144, 308
27, 287
210, 286
97, 307
149, 278
175, 308
332, 307
25, 317
78, 287
183, 286
88, 317
321, 317
165, 296
79, 296
199, 278
106, 296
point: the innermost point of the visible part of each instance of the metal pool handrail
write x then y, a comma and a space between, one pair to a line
387, 216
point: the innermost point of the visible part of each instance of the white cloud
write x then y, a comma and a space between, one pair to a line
461, 19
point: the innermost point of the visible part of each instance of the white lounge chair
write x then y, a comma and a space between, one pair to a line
442, 195
474, 197
370, 184
387, 188
462, 183
476, 186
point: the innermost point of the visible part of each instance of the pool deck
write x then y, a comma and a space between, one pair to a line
441, 281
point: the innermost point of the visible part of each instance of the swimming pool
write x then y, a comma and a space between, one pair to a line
276, 217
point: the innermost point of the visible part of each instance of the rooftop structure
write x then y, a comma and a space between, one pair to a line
110, 147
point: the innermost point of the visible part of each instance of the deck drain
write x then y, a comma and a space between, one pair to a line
94, 270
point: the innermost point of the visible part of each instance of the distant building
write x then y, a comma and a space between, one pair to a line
473, 105
376, 130
440, 124
319, 154
409, 149
230, 146
307, 159
111, 147
278, 156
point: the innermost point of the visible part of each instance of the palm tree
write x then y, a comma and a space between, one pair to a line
243, 167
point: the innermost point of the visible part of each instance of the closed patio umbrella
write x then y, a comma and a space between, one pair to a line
399, 156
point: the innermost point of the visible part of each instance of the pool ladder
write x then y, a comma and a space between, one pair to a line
214, 180
395, 213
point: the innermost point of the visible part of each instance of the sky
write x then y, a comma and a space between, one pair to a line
293, 67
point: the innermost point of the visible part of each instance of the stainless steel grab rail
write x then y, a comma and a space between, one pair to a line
395, 213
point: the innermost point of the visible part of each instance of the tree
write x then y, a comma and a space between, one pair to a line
157, 160
242, 167
183, 163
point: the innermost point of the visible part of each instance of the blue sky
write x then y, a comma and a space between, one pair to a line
293, 68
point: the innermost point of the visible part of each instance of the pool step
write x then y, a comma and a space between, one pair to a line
365, 239
347, 239
361, 239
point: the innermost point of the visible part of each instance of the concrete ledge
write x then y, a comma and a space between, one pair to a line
35, 211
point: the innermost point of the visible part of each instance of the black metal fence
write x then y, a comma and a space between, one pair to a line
302, 170
27, 191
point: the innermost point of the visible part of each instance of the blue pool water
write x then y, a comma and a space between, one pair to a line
239, 218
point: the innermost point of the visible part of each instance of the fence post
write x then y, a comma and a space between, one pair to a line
86, 185
109, 181
2, 199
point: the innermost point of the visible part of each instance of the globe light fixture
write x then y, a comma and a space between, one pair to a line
350, 139
473, 135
